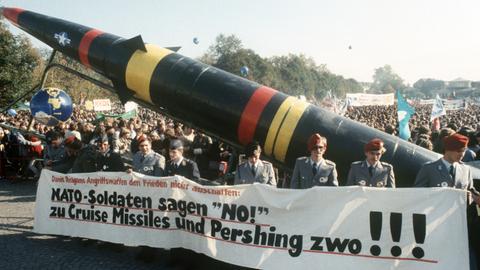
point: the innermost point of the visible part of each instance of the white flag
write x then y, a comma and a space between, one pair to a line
437, 109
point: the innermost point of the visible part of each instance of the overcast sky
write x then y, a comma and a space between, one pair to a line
418, 38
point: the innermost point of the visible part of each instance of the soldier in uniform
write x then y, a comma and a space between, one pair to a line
147, 161
107, 160
371, 171
255, 170
179, 165
450, 171
314, 170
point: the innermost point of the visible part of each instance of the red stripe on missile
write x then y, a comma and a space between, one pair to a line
252, 112
12, 14
85, 45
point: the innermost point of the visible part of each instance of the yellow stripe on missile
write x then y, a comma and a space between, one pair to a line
275, 125
288, 127
282, 127
140, 68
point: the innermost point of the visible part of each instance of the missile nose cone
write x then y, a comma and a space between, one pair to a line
11, 14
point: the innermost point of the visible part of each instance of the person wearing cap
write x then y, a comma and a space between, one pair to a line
55, 150
106, 159
179, 165
450, 171
314, 170
372, 172
255, 170
147, 161
81, 156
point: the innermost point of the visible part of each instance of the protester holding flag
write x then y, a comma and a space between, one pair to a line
404, 112
437, 111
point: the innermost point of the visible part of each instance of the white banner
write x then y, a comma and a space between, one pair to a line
102, 105
454, 104
260, 226
426, 101
370, 99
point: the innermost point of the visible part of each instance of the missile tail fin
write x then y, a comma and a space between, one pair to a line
135, 43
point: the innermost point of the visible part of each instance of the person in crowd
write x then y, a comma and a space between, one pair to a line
450, 171
3, 155
79, 158
147, 161
255, 170
314, 170
199, 151
54, 151
179, 165
107, 160
372, 172
122, 144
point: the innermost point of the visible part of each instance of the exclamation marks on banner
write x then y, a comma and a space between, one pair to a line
375, 231
396, 231
419, 230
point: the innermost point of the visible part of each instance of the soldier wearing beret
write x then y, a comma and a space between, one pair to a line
449, 171
371, 171
314, 170
255, 170
179, 165
147, 161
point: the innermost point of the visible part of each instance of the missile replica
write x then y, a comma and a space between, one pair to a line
222, 104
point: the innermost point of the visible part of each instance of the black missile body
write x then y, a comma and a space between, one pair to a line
222, 104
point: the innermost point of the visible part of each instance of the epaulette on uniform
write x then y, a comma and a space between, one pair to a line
329, 162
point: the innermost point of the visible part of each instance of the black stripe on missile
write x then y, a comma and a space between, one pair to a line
59, 34
100, 48
212, 98
267, 116
227, 96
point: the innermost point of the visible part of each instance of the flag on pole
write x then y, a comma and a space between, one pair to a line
404, 112
437, 110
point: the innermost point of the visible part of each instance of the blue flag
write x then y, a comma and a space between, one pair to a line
404, 113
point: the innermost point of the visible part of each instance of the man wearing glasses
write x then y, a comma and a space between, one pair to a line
372, 172
314, 170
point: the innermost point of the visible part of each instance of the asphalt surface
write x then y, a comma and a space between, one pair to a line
20, 248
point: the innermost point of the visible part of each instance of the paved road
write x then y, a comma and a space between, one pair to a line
20, 248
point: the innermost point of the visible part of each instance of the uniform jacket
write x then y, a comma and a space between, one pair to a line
382, 175
110, 162
150, 164
264, 174
302, 176
436, 174
187, 169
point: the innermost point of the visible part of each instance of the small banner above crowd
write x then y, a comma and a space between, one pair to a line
370, 99
448, 104
260, 226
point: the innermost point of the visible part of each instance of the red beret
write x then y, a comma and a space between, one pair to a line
455, 142
314, 140
374, 145
142, 139
73, 143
